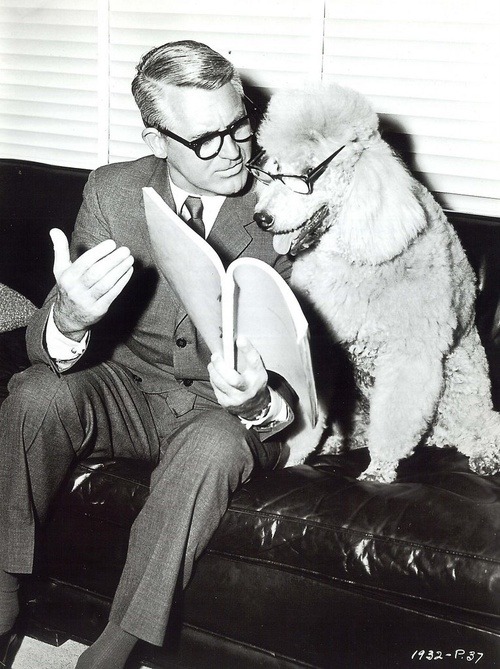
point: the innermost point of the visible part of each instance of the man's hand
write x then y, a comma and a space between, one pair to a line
88, 286
243, 393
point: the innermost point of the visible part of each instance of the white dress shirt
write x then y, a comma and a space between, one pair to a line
211, 206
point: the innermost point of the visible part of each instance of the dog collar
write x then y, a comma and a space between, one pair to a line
311, 231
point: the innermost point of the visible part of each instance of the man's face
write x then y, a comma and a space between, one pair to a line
196, 112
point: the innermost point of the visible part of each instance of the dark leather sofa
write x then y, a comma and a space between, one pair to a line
310, 567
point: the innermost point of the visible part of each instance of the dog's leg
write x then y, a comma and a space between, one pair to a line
465, 417
302, 438
349, 435
408, 382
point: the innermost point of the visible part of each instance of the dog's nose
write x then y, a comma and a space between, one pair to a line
263, 220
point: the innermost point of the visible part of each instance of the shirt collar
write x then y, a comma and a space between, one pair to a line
211, 205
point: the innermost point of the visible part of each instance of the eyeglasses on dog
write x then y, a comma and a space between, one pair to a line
298, 183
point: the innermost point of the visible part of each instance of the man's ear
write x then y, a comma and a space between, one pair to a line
156, 142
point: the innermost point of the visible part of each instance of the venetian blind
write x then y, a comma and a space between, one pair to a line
431, 70
273, 43
49, 81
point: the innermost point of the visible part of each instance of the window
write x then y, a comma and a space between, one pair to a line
49, 81
429, 68
272, 43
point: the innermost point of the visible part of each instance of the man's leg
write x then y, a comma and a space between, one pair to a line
206, 458
46, 423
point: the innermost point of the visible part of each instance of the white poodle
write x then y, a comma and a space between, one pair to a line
380, 264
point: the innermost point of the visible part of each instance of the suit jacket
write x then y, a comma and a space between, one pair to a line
147, 329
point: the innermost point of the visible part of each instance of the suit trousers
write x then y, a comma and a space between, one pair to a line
50, 421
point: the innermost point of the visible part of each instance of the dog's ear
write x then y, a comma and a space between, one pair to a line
381, 214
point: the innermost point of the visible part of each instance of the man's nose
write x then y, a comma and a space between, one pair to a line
230, 149
263, 220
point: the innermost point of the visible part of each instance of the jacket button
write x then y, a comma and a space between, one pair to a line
187, 382
181, 342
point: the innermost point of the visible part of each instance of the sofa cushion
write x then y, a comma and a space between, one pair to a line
431, 537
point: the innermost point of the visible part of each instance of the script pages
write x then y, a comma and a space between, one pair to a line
249, 299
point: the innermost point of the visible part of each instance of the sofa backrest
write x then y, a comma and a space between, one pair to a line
34, 198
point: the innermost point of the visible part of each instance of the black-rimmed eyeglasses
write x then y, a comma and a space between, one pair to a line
208, 146
298, 183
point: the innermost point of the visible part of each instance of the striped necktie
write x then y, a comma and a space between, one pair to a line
194, 205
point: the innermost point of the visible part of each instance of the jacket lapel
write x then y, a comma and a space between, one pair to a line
156, 178
229, 236
159, 181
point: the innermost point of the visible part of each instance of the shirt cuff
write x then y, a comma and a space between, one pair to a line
65, 352
276, 413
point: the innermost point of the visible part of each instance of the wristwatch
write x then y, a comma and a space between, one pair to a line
261, 414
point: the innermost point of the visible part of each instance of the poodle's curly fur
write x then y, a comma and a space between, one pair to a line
390, 280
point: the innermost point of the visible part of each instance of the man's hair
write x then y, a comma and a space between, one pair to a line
184, 63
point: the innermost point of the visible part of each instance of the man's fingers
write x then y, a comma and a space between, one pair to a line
113, 292
250, 354
217, 380
92, 265
102, 275
61, 252
94, 255
226, 379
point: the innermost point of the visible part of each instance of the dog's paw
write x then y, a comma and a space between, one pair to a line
334, 445
383, 472
485, 464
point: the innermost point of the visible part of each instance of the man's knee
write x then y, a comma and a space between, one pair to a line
233, 441
225, 442
221, 429
35, 389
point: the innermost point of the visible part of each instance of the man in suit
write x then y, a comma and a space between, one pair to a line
118, 369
